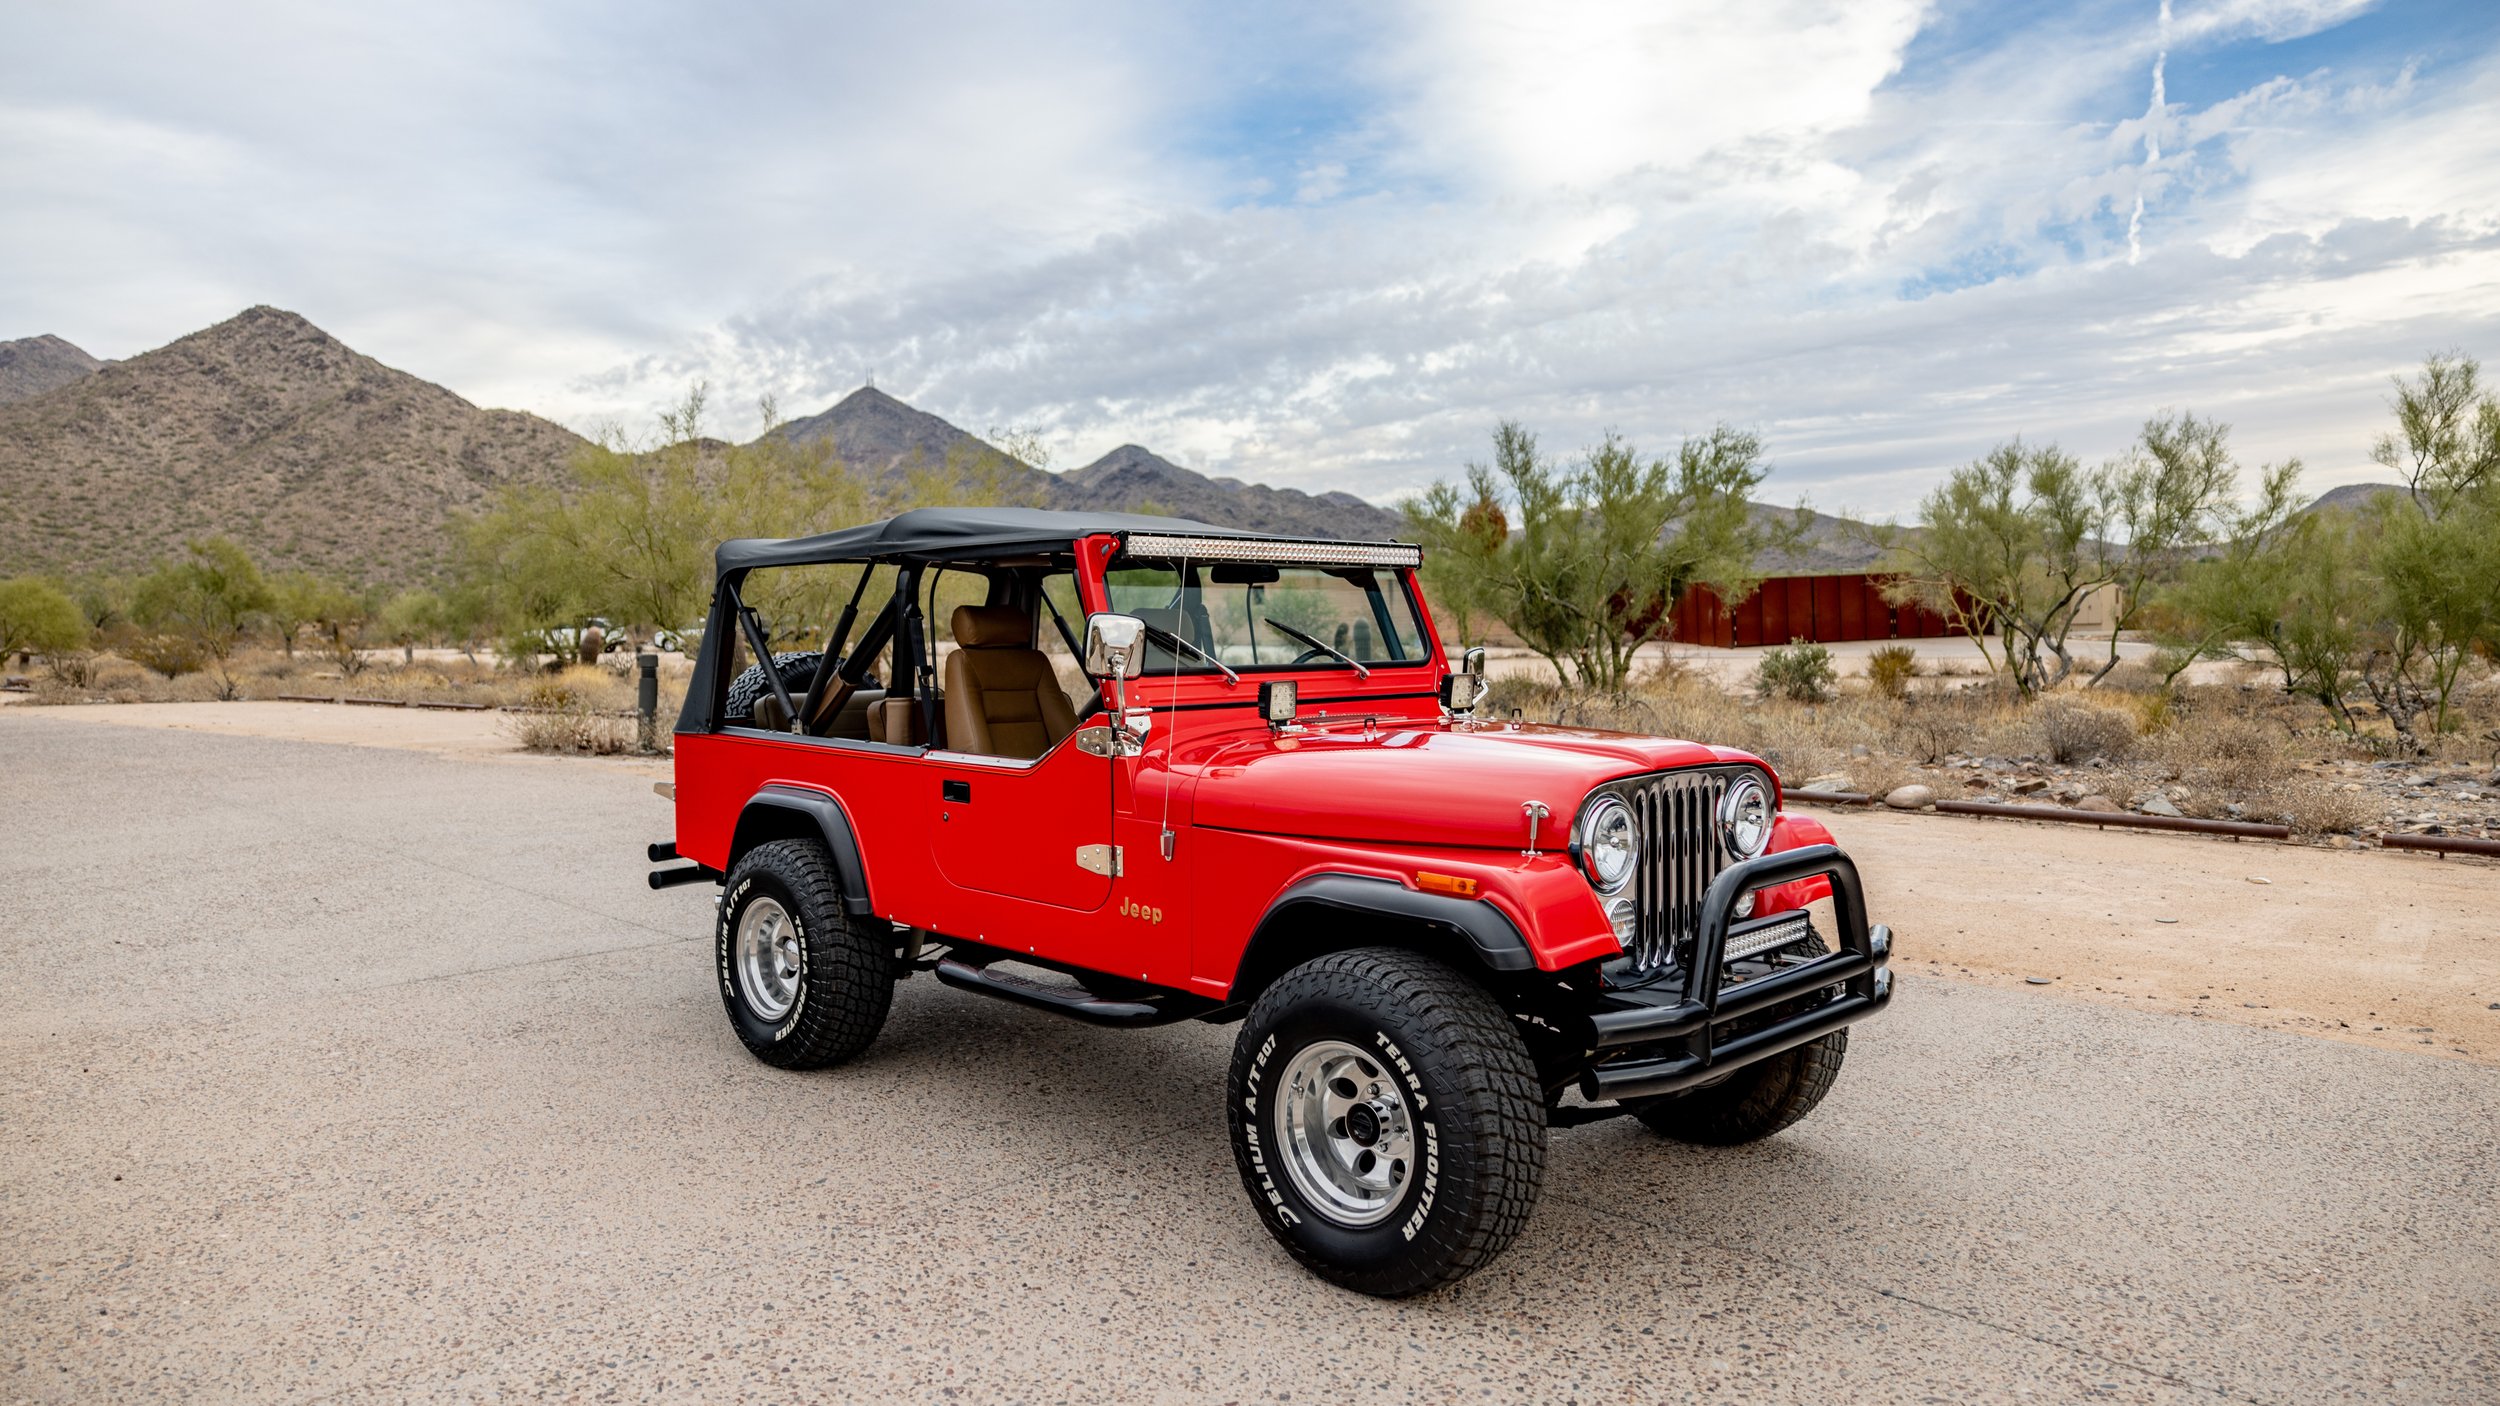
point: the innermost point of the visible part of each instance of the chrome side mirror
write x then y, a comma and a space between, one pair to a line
1462, 690
1116, 645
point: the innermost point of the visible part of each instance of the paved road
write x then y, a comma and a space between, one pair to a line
357, 1074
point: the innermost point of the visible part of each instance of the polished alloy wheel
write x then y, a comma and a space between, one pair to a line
768, 959
1346, 1133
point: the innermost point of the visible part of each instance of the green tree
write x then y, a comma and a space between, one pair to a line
630, 536
2447, 435
2438, 603
1603, 547
2327, 606
37, 617
2007, 547
2014, 545
2228, 599
414, 617
340, 615
205, 601
294, 601
2167, 497
521, 565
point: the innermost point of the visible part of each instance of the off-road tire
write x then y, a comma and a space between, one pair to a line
798, 672
845, 980
1756, 1101
1475, 1106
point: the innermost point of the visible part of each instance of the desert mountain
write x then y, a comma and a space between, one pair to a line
32, 365
2352, 497
875, 433
264, 428
1130, 479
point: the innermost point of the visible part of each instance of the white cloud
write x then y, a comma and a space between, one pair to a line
1605, 215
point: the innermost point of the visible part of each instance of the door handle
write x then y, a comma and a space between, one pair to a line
955, 791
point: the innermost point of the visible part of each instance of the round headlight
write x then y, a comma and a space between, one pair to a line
1745, 819
1609, 843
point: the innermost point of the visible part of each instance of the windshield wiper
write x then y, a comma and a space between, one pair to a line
1347, 659
1167, 639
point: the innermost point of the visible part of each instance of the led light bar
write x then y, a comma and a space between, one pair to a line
1166, 545
1743, 945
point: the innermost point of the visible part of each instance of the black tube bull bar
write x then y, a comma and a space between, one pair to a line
1688, 1023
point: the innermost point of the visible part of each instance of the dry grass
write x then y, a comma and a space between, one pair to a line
2071, 729
582, 709
2236, 750
563, 713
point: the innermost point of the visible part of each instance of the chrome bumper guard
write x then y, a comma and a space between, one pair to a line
1688, 1023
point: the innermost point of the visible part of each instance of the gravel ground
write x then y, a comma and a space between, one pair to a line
341, 1072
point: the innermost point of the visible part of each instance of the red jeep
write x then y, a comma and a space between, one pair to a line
1268, 802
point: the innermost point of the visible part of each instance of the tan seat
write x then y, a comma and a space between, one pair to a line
1002, 698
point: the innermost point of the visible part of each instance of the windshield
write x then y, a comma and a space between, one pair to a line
1256, 616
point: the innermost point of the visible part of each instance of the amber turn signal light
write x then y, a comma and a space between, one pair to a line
1450, 884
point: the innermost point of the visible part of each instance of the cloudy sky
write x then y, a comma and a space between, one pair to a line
1323, 245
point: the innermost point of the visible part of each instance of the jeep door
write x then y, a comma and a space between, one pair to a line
1040, 829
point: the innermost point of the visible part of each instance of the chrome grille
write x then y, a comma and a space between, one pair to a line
1677, 812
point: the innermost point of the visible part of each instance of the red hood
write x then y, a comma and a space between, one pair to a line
1425, 784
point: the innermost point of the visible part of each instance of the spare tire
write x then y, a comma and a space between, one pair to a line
798, 673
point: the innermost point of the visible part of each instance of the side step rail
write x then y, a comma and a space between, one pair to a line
1075, 1003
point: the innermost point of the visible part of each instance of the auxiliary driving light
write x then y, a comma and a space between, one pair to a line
1276, 701
1626, 919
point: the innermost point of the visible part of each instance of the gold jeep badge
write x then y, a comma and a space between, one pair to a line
1131, 908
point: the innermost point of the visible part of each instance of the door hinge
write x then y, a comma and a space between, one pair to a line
1099, 859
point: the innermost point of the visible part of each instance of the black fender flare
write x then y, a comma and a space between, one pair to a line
1491, 938
782, 812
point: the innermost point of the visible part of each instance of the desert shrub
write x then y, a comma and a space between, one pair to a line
74, 669
2314, 807
169, 655
1890, 669
1933, 729
574, 729
2210, 737
2070, 730
1799, 671
2153, 711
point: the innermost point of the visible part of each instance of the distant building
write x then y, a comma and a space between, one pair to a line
1829, 608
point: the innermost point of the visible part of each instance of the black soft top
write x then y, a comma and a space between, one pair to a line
960, 534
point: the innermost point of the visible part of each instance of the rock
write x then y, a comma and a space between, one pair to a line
1857, 749
2037, 980
1911, 797
2028, 785
2158, 805
1977, 783
2096, 803
1829, 782
2099, 763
